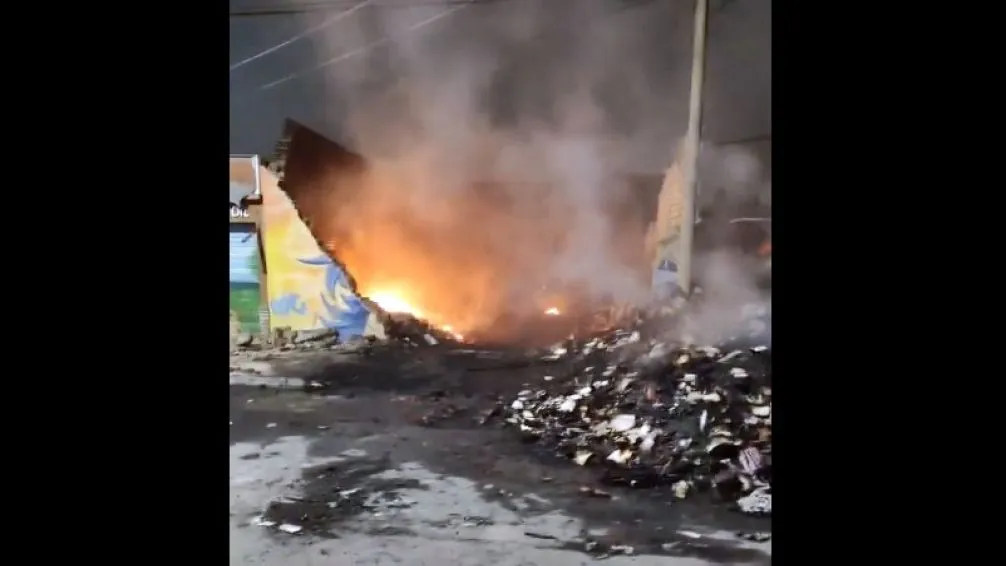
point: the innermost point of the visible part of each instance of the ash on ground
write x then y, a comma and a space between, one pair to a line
654, 413
334, 493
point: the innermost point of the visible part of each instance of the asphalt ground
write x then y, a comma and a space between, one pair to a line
383, 458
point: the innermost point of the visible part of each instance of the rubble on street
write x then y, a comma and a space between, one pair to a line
657, 413
642, 404
639, 405
403, 329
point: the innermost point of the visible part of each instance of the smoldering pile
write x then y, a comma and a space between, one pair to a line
653, 413
411, 331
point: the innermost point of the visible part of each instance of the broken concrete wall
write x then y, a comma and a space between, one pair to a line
324, 179
307, 290
317, 174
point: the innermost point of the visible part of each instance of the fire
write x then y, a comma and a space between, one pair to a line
395, 303
422, 232
552, 311
457, 335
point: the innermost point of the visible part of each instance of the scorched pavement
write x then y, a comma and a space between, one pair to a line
383, 459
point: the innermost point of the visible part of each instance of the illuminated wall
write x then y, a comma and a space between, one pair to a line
306, 289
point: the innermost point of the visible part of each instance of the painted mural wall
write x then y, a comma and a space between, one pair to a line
306, 289
244, 279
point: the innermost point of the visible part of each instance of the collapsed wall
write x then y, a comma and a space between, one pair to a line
317, 172
308, 289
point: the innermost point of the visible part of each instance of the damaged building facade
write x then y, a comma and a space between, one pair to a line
394, 246
313, 227
306, 289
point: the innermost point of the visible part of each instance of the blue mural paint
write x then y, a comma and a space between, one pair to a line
289, 303
345, 312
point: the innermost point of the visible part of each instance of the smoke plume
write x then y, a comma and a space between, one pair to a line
494, 140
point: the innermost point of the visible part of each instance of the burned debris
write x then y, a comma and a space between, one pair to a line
411, 331
283, 338
399, 328
653, 413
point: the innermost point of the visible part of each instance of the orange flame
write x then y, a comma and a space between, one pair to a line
421, 237
395, 302
552, 311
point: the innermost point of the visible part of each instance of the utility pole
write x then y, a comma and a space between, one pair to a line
689, 161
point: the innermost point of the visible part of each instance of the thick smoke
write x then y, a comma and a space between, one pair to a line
494, 138
734, 188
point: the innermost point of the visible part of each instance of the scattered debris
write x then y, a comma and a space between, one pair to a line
652, 412
600, 550
411, 331
758, 502
758, 536
540, 536
262, 522
316, 338
400, 328
594, 492
622, 549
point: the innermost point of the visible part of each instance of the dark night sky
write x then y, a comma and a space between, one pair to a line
738, 75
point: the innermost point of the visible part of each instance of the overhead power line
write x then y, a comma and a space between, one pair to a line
453, 6
323, 6
311, 7
328, 22
386, 40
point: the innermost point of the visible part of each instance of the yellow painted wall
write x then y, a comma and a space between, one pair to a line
306, 289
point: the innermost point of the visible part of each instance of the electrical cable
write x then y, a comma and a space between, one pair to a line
455, 6
328, 22
360, 50
306, 8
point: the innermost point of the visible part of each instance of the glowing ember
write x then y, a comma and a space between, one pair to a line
457, 335
394, 303
552, 311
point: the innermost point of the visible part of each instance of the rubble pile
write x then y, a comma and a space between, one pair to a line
654, 413
402, 329
412, 331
